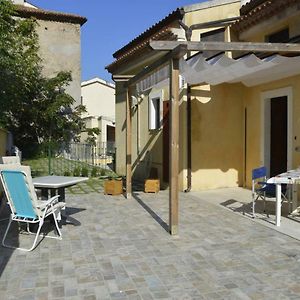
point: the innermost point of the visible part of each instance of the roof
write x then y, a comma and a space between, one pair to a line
97, 80
161, 30
257, 10
40, 14
146, 35
141, 48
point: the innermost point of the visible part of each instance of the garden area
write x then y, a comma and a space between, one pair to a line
65, 167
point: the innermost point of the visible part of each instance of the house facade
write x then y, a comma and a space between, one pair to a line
60, 42
225, 129
98, 96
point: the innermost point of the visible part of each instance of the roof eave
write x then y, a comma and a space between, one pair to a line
40, 14
175, 15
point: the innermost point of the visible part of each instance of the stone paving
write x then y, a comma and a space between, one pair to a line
122, 251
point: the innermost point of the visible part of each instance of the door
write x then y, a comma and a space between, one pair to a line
166, 141
278, 135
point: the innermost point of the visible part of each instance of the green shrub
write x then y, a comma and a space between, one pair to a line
84, 172
102, 172
94, 172
76, 172
67, 173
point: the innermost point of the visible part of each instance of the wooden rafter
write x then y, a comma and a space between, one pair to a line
226, 46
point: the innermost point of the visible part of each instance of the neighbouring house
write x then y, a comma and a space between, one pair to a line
98, 96
59, 40
60, 46
237, 110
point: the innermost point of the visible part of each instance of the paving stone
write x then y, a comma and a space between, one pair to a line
121, 251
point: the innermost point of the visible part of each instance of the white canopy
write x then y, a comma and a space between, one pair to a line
249, 69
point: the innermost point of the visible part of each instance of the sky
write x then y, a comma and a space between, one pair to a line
110, 26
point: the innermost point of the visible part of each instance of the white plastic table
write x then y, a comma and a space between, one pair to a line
56, 183
57, 186
290, 177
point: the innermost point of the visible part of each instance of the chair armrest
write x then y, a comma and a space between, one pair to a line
262, 182
43, 204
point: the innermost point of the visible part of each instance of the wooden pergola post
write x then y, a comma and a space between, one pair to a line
174, 145
128, 143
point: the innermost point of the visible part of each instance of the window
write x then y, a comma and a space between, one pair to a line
281, 36
155, 110
217, 35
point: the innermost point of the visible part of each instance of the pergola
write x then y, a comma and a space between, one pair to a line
175, 50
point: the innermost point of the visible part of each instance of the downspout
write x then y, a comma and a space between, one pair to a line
189, 140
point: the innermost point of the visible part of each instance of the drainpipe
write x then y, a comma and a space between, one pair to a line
189, 140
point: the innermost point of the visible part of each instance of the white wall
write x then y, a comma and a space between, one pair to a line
99, 98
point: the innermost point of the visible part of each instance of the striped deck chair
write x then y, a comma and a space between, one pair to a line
25, 207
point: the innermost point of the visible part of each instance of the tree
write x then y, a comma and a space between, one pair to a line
20, 67
35, 109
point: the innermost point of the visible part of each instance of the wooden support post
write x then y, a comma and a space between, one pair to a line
128, 144
174, 145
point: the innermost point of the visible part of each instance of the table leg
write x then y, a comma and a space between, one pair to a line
68, 219
62, 194
294, 198
278, 204
44, 193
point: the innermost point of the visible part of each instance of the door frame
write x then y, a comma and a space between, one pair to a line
265, 125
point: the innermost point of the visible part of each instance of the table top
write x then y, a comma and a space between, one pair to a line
56, 182
289, 177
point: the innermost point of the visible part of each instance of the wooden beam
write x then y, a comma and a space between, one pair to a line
121, 77
174, 145
177, 52
226, 46
128, 144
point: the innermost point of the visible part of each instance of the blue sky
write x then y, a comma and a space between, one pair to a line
111, 25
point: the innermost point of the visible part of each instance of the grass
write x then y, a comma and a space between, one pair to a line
65, 167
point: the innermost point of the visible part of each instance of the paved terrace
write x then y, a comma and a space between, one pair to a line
122, 251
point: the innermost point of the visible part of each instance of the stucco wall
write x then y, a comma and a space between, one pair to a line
208, 14
60, 50
217, 136
99, 99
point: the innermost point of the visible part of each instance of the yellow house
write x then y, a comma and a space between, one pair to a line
229, 123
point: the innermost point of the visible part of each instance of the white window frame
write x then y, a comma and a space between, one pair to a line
153, 122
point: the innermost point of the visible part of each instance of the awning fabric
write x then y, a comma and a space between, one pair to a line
249, 69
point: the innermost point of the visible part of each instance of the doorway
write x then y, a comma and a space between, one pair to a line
278, 135
277, 131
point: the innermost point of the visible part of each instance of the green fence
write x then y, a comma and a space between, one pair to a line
79, 159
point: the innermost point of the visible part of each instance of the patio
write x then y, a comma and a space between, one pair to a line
121, 251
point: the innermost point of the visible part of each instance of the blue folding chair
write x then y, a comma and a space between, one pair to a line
261, 189
22, 199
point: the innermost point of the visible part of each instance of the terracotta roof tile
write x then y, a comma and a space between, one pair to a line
41, 14
260, 12
173, 16
141, 48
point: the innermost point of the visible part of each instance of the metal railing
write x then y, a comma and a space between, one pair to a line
79, 159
